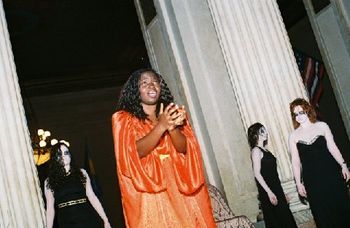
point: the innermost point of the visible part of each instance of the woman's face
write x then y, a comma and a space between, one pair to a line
300, 114
263, 133
65, 156
149, 87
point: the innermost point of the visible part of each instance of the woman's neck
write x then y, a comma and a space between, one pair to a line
260, 143
150, 110
306, 124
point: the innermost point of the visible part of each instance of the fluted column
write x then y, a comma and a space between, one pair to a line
21, 204
263, 71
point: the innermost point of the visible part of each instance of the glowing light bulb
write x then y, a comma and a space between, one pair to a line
40, 132
54, 141
47, 133
42, 143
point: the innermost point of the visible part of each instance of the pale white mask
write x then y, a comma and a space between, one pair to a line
263, 133
300, 116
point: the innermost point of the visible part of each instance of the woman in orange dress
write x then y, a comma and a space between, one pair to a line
159, 163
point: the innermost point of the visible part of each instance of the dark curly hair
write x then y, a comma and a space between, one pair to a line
253, 134
57, 174
130, 101
306, 106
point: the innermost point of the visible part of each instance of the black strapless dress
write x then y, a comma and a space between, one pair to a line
278, 216
81, 215
325, 187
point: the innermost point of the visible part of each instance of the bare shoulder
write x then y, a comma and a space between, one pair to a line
46, 185
256, 152
321, 125
46, 182
83, 171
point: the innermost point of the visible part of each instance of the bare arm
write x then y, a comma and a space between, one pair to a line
95, 202
295, 160
333, 149
167, 121
179, 140
50, 208
146, 144
296, 165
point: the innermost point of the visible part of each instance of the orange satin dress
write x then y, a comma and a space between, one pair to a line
164, 188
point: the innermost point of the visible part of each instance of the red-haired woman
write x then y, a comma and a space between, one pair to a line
319, 168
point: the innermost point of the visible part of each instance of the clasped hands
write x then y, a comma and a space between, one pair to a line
171, 116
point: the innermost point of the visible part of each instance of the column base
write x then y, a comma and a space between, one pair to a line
301, 212
304, 219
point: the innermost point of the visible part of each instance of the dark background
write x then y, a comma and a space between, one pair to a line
72, 57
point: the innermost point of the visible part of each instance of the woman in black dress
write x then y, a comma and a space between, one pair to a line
69, 193
319, 168
273, 201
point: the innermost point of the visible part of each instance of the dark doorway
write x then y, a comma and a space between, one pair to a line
72, 57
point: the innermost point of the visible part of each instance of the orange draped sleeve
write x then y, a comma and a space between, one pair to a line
188, 167
146, 176
146, 173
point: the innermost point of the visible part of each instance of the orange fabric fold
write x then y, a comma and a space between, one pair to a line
152, 187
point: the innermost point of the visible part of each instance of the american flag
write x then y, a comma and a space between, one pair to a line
312, 72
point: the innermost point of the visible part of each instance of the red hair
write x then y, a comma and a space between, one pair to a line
310, 111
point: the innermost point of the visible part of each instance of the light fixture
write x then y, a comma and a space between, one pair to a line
42, 145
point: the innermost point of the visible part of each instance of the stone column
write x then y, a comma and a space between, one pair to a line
342, 9
21, 204
263, 73
205, 85
331, 28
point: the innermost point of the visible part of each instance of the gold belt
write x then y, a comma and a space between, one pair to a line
72, 202
163, 156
